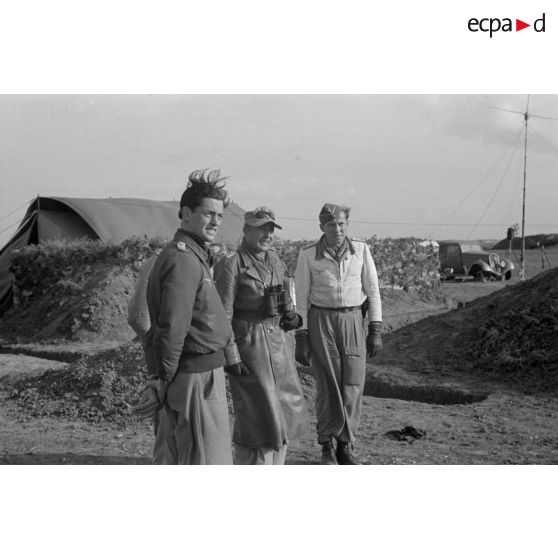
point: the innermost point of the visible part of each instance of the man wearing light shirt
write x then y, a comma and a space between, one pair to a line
333, 278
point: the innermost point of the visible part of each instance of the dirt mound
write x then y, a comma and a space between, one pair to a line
97, 388
89, 306
510, 335
519, 334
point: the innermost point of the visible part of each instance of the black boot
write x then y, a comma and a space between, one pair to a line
344, 455
328, 455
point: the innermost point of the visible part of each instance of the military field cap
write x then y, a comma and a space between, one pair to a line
260, 216
331, 211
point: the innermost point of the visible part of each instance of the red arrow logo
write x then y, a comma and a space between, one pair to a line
519, 25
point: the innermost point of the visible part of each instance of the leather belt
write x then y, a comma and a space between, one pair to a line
341, 309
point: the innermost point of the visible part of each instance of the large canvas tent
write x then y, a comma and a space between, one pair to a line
113, 219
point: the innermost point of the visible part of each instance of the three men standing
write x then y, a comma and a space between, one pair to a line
333, 278
191, 338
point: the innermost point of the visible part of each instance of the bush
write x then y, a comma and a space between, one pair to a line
37, 267
401, 262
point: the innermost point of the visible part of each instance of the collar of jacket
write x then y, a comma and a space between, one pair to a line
197, 245
249, 262
321, 247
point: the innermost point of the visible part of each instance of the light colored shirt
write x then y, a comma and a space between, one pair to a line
321, 281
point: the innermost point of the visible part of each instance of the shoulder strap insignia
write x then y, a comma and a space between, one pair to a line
181, 246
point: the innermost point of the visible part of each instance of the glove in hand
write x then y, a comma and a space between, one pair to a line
233, 365
237, 369
149, 402
374, 344
291, 320
302, 349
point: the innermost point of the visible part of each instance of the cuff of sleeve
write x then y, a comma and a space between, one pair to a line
232, 356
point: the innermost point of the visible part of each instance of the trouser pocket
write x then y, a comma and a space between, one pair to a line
354, 366
214, 385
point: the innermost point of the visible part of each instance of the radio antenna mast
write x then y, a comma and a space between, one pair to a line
522, 257
526, 116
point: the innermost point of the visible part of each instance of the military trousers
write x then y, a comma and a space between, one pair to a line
338, 349
194, 424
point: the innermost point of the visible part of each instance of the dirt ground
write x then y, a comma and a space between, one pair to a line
465, 420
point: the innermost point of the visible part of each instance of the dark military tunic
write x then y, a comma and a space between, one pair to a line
189, 331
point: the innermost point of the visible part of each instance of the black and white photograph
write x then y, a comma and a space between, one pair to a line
300, 234
382, 274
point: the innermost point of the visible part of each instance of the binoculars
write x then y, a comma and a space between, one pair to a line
277, 301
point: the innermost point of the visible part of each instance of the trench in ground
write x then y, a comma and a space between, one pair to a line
436, 395
374, 387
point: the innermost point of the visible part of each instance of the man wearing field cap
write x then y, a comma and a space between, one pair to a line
269, 407
334, 277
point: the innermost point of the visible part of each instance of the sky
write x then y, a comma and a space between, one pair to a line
407, 165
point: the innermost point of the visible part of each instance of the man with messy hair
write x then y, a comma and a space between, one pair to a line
190, 339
